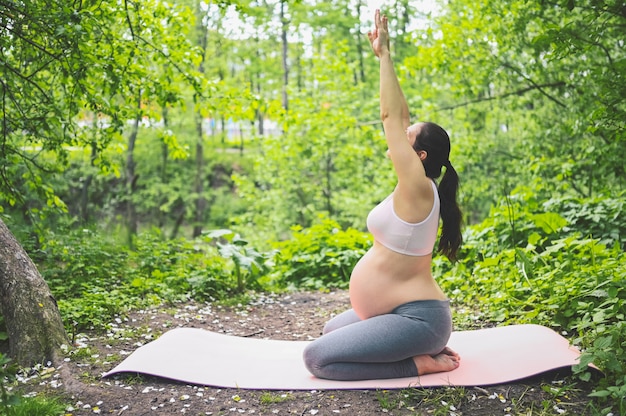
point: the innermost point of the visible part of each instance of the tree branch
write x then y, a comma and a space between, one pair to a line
501, 96
30, 42
27, 79
5, 131
130, 24
36, 23
169, 60
533, 83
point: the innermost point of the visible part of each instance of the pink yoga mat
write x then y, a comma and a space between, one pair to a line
488, 356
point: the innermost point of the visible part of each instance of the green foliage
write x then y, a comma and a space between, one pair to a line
96, 280
269, 398
68, 62
88, 275
165, 194
602, 217
76, 261
173, 269
11, 401
321, 256
8, 371
95, 309
38, 406
326, 161
529, 216
249, 264
529, 90
525, 264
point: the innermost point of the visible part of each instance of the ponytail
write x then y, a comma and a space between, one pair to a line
433, 139
451, 239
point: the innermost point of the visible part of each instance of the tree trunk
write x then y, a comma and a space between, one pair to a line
299, 70
32, 318
161, 216
223, 128
84, 194
180, 210
359, 47
199, 182
241, 140
255, 85
131, 176
201, 203
328, 192
261, 122
164, 148
283, 36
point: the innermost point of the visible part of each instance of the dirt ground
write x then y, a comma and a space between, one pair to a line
294, 316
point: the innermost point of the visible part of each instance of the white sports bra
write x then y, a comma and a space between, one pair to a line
412, 239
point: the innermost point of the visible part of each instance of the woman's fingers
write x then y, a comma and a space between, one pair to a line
380, 21
379, 34
372, 35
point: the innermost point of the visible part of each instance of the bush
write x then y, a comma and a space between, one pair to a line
96, 280
603, 218
249, 266
176, 269
322, 256
80, 260
95, 309
527, 265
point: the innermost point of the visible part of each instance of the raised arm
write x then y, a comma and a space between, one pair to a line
393, 102
394, 112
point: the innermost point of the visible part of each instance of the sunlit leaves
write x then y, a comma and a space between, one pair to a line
68, 64
554, 68
326, 160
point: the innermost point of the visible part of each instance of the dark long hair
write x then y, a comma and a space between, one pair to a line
434, 140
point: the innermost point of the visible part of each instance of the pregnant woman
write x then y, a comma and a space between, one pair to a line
400, 320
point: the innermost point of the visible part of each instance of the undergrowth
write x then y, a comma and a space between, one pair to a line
12, 403
525, 264
95, 280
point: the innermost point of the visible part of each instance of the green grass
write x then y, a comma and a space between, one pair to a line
37, 406
445, 401
274, 398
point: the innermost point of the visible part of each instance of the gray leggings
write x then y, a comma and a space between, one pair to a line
382, 346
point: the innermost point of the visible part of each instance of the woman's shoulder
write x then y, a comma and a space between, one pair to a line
413, 203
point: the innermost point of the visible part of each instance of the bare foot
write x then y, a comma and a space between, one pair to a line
450, 352
447, 360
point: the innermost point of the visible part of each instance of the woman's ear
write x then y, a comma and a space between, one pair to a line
422, 154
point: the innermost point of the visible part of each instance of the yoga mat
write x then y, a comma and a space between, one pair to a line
197, 356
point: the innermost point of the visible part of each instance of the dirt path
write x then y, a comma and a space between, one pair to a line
296, 316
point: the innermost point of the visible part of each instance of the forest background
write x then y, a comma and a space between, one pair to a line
156, 151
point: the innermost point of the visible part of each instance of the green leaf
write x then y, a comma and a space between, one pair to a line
549, 222
600, 393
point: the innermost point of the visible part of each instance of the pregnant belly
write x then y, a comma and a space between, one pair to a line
383, 280
372, 291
